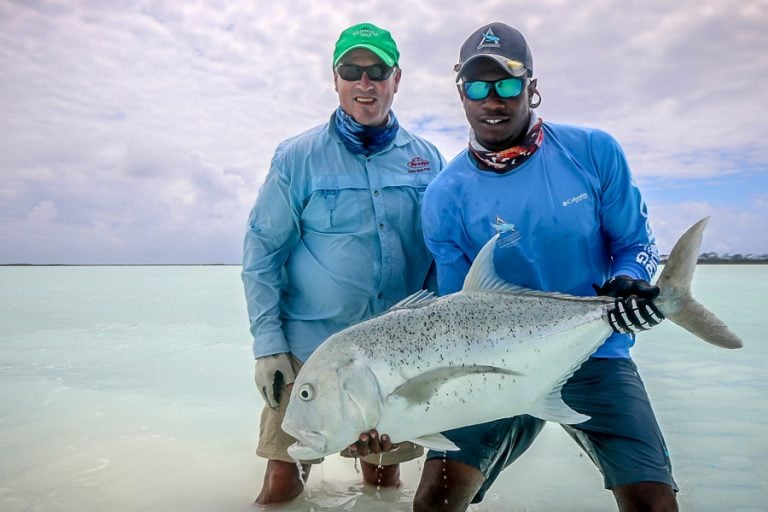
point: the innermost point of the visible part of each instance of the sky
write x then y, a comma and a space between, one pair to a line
138, 131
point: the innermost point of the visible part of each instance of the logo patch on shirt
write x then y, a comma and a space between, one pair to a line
418, 164
508, 233
576, 199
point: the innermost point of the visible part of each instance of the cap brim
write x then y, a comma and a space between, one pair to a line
386, 58
513, 67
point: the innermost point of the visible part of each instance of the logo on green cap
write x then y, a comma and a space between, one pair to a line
369, 37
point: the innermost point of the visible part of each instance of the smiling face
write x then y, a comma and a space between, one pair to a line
367, 101
498, 123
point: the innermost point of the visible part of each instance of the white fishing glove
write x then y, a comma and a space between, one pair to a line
634, 310
272, 372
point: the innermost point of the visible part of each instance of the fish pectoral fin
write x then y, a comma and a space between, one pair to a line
437, 442
552, 408
423, 387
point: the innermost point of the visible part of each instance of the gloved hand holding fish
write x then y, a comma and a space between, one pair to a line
493, 350
633, 310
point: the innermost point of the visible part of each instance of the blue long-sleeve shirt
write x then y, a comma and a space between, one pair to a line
334, 238
570, 216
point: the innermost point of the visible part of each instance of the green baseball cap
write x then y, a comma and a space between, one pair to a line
370, 37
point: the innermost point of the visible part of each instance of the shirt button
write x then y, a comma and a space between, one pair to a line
376, 193
381, 225
380, 295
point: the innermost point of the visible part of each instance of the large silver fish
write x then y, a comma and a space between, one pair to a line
492, 350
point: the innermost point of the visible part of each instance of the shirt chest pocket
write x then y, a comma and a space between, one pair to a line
336, 204
402, 196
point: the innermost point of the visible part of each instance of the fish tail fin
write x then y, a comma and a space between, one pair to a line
677, 302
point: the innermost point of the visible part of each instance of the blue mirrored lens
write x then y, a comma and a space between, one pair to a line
509, 88
477, 90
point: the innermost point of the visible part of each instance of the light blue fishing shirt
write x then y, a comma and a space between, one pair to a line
334, 238
568, 217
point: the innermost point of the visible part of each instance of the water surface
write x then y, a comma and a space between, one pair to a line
130, 388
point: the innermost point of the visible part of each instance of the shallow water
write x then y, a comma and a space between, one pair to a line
130, 388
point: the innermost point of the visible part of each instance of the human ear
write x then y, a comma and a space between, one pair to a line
398, 76
533, 92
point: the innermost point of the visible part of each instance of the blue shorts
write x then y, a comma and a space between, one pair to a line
621, 437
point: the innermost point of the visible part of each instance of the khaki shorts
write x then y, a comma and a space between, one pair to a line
274, 443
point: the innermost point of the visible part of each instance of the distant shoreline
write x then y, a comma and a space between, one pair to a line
120, 265
725, 261
705, 261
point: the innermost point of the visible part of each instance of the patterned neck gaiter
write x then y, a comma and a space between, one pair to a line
505, 160
364, 140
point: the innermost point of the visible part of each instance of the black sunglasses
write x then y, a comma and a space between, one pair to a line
353, 72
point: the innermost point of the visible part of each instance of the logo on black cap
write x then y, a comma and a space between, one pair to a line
490, 40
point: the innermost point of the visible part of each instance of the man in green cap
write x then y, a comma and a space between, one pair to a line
334, 238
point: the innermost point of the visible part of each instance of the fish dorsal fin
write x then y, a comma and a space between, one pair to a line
437, 442
424, 386
416, 300
482, 274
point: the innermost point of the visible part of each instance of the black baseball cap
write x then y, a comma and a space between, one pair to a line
501, 43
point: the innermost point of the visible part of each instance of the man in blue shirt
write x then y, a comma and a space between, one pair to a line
569, 215
334, 238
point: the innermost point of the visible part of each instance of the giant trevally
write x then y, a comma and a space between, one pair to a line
492, 350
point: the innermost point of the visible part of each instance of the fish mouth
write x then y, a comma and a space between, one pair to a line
309, 445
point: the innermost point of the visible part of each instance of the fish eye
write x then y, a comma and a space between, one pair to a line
306, 392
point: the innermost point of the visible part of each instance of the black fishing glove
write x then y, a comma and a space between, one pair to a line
634, 310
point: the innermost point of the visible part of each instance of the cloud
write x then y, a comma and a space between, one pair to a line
137, 131
730, 230
145, 206
43, 212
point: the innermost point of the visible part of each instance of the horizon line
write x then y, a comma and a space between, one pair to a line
700, 261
